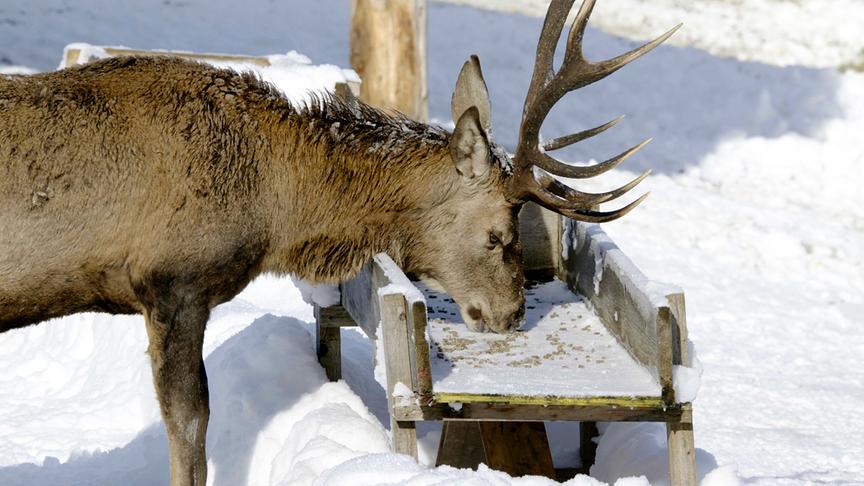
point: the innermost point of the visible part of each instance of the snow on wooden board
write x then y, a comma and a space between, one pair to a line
562, 350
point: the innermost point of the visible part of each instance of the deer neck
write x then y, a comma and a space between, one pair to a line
343, 193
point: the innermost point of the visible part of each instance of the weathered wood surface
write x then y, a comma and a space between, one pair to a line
517, 448
510, 412
633, 308
388, 51
330, 352
461, 445
587, 447
682, 449
394, 330
328, 321
360, 300
333, 316
420, 345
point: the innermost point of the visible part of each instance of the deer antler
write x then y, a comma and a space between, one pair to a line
531, 180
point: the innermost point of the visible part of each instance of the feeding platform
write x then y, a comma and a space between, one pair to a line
599, 344
562, 355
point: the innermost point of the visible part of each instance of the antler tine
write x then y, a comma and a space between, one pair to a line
577, 32
561, 142
556, 167
579, 199
603, 216
589, 215
610, 66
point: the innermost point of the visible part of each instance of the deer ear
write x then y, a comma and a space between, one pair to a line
471, 91
469, 147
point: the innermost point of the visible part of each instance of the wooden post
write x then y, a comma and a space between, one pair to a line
394, 330
388, 51
679, 435
461, 445
328, 329
517, 448
682, 449
587, 447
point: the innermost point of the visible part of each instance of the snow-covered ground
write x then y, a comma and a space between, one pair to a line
756, 211
815, 33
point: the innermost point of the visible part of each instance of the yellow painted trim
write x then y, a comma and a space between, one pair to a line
625, 402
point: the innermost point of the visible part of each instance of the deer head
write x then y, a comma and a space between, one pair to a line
481, 267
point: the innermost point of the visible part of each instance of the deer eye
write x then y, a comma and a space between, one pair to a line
494, 240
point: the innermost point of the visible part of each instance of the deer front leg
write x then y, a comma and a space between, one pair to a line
176, 334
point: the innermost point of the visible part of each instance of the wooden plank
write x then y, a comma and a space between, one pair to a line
328, 321
596, 268
388, 51
587, 447
461, 445
330, 352
506, 411
682, 449
334, 316
550, 400
394, 329
360, 300
517, 448
421, 352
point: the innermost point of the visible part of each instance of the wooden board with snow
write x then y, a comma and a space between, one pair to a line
563, 350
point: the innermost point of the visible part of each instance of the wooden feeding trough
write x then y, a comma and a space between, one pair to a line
599, 344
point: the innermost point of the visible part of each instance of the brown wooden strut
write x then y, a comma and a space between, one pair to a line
532, 179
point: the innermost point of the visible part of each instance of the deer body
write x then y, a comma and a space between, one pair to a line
135, 176
162, 187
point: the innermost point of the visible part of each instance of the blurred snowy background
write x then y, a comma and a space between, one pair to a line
757, 114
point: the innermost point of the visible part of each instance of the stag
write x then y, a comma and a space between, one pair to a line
162, 187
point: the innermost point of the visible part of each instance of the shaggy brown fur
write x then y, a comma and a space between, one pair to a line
162, 187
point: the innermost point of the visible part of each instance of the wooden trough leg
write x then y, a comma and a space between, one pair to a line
397, 362
587, 447
328, 324
330, 352
461, 445
517, 448
682, 454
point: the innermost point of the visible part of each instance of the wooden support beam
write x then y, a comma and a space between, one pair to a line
503, 411
330, 352
682, 449
334, 316
587, 447
388, 51
328, 321
461, 445
517, 448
